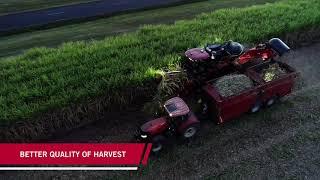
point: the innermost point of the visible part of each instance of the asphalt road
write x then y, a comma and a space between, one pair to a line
23, 20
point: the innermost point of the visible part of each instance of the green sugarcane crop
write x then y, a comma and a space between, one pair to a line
45, 79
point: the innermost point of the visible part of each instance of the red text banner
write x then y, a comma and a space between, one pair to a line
131, 154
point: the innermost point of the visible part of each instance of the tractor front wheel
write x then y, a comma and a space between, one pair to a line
158, 143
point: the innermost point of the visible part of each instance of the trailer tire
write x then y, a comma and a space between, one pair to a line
271, 101
191, 131
256, 107
158, 143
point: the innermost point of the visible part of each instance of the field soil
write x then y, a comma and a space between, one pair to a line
278, 142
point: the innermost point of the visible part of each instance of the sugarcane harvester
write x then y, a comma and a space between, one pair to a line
216, 60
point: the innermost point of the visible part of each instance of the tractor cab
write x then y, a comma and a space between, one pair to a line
179, 121
178, 111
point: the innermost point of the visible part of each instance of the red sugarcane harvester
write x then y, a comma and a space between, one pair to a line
215, 60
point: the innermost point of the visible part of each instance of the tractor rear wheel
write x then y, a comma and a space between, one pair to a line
191, 131
271, 101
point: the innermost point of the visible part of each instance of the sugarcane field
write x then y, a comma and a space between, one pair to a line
168, 89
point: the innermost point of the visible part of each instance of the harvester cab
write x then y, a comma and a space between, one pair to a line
234, 48
216, 60
216, 52
227, 50
179, 121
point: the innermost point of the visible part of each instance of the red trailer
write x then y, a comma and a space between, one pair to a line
261, 94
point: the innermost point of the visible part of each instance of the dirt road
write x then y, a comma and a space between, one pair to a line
282, 141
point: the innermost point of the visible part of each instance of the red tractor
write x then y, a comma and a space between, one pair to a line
215, 60
179, 121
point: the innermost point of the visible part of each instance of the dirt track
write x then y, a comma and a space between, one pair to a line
282, 141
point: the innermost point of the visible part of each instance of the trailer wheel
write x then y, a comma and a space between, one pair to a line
191, 131
271, 101
256, 107
158, 143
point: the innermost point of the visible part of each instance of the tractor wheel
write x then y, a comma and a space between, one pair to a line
256, 107
191, 131
158, 143
203, 111
205, 108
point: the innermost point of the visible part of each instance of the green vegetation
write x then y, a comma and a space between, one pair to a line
42, 78
99, 29
11, 6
